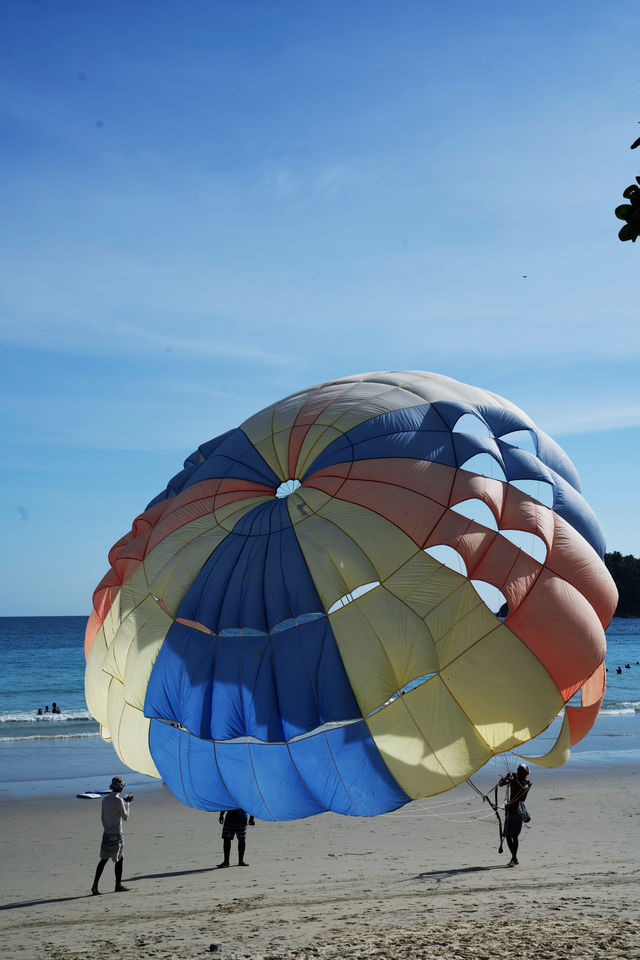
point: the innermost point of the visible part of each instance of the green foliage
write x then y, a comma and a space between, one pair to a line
626, 574
631, 213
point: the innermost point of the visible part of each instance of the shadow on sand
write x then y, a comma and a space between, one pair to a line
83, 896
440, 875
172, 873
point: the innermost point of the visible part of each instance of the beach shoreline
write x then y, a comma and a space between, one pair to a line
422, 881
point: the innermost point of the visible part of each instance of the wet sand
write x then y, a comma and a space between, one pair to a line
424, 882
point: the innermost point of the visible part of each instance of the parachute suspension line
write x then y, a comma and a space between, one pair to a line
497, 813
494, 806
477, 789
429, 811
456, 820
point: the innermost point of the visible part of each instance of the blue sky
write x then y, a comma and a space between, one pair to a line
207, 206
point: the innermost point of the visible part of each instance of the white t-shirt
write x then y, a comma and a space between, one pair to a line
114, 811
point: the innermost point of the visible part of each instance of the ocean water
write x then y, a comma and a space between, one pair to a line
42, 660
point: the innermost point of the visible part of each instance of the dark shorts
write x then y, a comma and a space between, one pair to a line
512, 826
231, 830
112, 847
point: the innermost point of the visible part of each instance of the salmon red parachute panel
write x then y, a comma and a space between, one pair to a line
278, 633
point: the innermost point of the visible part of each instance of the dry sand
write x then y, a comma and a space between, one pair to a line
424, 882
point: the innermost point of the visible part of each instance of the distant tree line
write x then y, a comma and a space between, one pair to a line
626, 574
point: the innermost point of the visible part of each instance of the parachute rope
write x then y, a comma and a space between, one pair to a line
494, 806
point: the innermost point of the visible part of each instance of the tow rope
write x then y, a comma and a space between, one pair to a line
494, 806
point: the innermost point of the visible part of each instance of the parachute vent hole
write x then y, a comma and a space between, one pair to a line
469, 423
523, 439
353, 595
493, 598
538, 490
287, 487
485, 466
476, 510
529, 543
448, 557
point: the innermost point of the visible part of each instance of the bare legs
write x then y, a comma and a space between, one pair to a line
512, 843
118, 870
99, 869
241, 846
226, 852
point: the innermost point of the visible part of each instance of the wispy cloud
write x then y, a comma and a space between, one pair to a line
213, 347
291, 183
98, 336
594, 421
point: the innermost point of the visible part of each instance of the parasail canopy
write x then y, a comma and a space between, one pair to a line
279, 632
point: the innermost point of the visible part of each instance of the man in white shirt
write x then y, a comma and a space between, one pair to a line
115, 809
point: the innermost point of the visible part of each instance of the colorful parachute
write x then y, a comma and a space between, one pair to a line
275, 634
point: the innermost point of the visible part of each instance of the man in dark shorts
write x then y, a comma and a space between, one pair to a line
518, 786
115, 809
234, 823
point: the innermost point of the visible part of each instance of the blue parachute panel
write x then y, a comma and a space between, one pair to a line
229, 455
256, 578
271, 668
344, 769
575, 510
191, 464
417, 432
188, 767
271, 688
265, 781
340, 769
557, 460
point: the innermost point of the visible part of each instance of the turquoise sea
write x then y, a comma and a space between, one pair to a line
42, 660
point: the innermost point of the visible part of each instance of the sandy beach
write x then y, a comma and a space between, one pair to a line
426, 881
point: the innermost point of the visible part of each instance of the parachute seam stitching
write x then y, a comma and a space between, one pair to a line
232, 461
284, 739
403, 700
273, 673
320, 802
443, 507
284, 469
234, 566
425, 580
318, 536
324, 732
380, 643
466, 715
533, 654
220, 774
267, 492
312, 393
388, 433
387, 388
253, 770
172, 561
